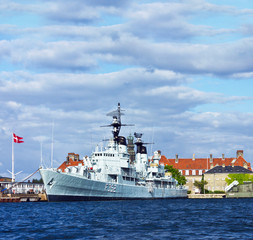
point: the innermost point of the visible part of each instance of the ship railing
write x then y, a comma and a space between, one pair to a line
140, 183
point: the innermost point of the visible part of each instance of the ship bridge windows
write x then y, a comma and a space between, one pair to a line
104, 154
108, 154
98, 154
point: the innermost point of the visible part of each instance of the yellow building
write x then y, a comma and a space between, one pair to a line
217, 175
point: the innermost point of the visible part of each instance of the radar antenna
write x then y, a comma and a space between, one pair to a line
139, 143
116, 122
116, 113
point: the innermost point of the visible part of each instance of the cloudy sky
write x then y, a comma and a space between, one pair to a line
182, 71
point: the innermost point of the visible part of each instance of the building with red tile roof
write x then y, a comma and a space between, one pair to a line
198, 166
193, 168
71, 160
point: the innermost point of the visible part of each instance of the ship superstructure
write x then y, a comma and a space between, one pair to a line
109, 174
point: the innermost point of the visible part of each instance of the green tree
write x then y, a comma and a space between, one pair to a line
201, 184
176, 174
240, 177
37, 181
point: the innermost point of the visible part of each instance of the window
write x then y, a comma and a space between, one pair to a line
193, 172
186, 172
200, 172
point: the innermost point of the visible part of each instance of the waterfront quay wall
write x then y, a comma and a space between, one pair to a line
23, 197
223, 195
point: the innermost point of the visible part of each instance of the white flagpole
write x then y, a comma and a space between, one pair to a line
12, 171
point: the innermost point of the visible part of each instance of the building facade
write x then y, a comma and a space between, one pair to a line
216, 176
71, 160
193, 168
22, 187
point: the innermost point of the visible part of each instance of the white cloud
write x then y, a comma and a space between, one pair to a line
124, 43
242, 75
13, 105
216, 59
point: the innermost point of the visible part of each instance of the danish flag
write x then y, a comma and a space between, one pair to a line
17, 139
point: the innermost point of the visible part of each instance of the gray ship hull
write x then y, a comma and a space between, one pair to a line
70, 187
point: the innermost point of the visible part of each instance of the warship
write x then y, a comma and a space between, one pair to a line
111, 174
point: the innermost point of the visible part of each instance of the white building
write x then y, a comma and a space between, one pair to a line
22, 187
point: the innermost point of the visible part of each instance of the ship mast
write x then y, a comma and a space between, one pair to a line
139, 143
116, 122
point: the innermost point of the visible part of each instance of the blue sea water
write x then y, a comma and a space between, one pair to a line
140, 219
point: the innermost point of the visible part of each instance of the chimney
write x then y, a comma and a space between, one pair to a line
223, 156
193, 157
176, 160
211, 158
239, 153
76, 157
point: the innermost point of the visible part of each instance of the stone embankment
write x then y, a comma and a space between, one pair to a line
23, 197
223, 195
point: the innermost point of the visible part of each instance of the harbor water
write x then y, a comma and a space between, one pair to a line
138, 219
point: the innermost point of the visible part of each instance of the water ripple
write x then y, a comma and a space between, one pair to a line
149, 219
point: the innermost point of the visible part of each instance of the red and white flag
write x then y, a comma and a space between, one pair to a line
17, 139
